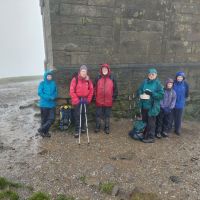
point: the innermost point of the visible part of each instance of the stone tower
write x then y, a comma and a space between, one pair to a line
131, 35
121, 32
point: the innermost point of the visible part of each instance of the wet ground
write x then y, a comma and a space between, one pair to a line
170, 167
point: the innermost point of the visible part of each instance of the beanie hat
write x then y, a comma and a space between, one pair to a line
180, 74
152, 71
83, 67
169, 80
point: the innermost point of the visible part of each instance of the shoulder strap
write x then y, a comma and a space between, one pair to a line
98, 77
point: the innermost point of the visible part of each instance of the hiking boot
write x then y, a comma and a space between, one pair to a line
158, 135
149, 140
47, 135
40, 132
164, 134
76, 134
177, 133
106, 130
83, 130
97, 129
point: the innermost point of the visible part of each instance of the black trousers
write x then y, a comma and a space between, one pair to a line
77, 117
178, 113
47, 119
149, 132
103, 113
163, 122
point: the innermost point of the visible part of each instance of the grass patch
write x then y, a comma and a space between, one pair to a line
4, 183
63, 197
106, 187
9, 195
83, 179
39, 196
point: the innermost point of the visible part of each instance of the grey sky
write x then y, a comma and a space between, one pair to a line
21, 38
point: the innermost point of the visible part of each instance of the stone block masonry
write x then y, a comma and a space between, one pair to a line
131, 35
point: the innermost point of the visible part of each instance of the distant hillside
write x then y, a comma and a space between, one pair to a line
19, 79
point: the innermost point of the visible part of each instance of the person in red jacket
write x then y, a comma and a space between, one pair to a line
105, 93
81, 92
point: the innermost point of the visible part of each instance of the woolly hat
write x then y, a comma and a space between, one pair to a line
152, 71
180, 74
83, 67
169, 80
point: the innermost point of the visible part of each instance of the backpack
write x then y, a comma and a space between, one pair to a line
65, 117
75, 75
138, 130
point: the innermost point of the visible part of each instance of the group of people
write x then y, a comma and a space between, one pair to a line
160, 107
82, 91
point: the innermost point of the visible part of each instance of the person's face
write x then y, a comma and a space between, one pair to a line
104, 70
83, 73
179, 78
152, 76
49, 77
169, 85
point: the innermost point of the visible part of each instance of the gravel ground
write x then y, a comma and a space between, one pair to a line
169, 168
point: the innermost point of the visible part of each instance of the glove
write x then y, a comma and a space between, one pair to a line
148, 92
167, 110
83, 101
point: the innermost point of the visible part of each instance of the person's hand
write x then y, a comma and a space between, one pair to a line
167, 110
148, 92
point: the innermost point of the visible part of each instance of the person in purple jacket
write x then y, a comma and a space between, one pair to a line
181, 88
164, 119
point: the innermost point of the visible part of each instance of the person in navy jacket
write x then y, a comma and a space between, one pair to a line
181, 88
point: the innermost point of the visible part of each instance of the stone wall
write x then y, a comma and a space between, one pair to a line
121, 31
131, 35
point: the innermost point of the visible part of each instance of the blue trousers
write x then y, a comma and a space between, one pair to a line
77, 117
178, 113
47, 118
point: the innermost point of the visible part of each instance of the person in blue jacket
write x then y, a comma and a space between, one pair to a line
47, 91
181, 88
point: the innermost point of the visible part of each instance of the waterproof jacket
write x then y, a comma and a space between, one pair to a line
152, 104
47, 91
182, 92
169, 99
105, 89
81, 88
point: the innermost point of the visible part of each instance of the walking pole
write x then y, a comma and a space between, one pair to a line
79, 134
86, 123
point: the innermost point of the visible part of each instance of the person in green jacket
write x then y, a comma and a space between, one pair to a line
150, 94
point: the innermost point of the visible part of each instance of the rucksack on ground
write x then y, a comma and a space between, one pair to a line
65, 117
138, 130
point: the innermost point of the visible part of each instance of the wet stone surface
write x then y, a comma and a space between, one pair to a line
60, 166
